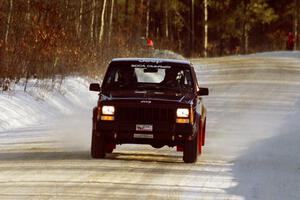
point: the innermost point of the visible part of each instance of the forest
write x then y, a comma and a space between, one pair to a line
43, 38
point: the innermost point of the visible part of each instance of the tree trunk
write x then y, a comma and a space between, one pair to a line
102, 22
166, 19
296, 23
28, 11
246, 38
192, 24
147, 18
92, 31
67, 9
79, 23
1, 6
137, 26
8, 21
205, 28
246, 26
126, 13
26, 81
111, 20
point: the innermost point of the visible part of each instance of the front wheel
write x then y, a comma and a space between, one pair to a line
203, 133
109, 148
98, 145
190, 150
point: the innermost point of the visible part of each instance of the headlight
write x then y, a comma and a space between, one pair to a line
182, 112
108, 110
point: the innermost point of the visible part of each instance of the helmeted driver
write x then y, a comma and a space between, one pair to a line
127, 77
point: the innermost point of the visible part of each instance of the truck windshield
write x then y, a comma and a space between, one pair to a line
143, 76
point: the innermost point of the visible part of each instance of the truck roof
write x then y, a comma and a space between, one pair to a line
152, 60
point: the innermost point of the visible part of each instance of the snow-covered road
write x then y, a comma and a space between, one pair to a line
252, 149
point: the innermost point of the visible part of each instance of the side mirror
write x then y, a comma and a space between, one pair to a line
95, 87
203, 92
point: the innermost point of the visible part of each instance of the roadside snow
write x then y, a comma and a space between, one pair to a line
41, 104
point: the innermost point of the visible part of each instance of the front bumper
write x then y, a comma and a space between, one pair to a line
163, 133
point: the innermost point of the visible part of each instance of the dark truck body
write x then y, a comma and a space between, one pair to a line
149, 113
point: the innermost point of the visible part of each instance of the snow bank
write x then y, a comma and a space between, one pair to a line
43, 102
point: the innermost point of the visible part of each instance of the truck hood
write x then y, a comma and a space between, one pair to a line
174, 96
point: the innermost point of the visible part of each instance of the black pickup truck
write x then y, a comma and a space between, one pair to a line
149, 101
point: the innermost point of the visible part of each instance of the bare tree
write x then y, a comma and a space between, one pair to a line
111, 20
28, 11
92, 31
296, 22
126, 12
192, 24
79, 23
245, 27
138, 13
147, 18
205, 28
67, 9
8, 21
166, 18
101, 31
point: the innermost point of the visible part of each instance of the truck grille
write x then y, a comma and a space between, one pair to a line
142, 114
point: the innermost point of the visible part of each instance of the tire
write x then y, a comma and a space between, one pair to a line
97, 145
109, 148
157, 146
204, 132
200, 138
190, 150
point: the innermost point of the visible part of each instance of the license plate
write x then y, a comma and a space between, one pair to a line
143, 136
144, 127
